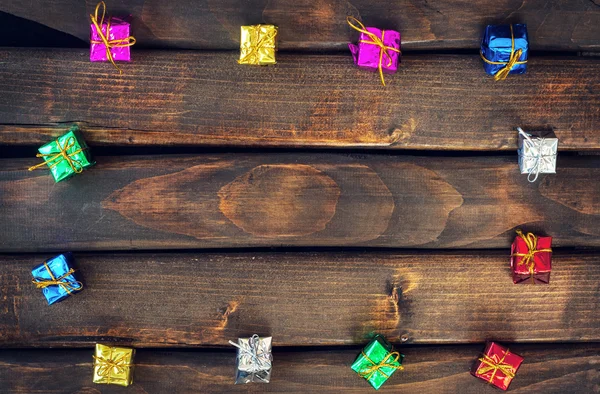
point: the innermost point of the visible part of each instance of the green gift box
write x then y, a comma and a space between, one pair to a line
377, 362
65, 156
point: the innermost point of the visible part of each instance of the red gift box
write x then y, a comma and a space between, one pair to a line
531, 258
497, 366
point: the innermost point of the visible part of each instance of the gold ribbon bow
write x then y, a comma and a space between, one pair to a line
118, 43
374, 41
367, 373
68, 286
528, 258
491, 365
118, 365
255, 45
512, 60
57, 158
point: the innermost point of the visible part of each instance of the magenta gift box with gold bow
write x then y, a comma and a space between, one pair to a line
376, 50
110, 38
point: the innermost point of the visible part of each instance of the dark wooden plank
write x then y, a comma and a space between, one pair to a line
191, 98
296, 199
321, 25
548, 368
157, 300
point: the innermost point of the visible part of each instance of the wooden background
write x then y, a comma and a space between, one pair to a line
303, 200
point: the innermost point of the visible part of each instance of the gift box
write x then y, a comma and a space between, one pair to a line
258, 45
537, 153
377, 362
497, 365
254, 360
504, 50
109, 38
113, 365
531, 258
376, 50
65, 156
56, 277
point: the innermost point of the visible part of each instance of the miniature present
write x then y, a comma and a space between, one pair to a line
113, 365
109, 38
56, 278
258, 45
377, 50
377, 362
504, 50
497, 366
65, 156
254, 360
531, 258
537, 153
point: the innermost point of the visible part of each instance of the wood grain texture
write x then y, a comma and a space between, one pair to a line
179, 300
321, 24
296, 199
183, 98
548, 368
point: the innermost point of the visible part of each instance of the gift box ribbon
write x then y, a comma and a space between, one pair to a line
54, 159
512, 60
108, 365
374, 41
538, 157
367, 373
256, 44
259, 360
528, 258
67, 285
118, 43
490, 364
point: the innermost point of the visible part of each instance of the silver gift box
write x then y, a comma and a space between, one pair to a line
254, 360
537, 155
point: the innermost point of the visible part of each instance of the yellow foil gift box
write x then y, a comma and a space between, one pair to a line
258, 45
113, 365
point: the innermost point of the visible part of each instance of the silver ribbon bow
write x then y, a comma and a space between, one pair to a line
536, 149
254, 355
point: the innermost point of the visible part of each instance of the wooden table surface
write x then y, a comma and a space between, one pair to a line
302, 200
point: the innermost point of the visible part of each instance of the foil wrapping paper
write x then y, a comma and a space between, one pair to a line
59, 166
258, 44
58, 266
366, 56
542, 262
113, 365
539, 154
497, 356
377, 351
254, 360
118, 29
496, 47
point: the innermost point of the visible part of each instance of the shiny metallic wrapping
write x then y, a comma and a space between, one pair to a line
56, 278
258, 45
254, 360
113, 365
66, 156
497, 46
537, 153
497, 366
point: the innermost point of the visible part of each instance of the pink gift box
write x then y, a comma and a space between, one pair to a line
366, 56
118, 29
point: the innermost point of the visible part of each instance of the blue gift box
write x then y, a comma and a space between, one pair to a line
56, 278
497, 47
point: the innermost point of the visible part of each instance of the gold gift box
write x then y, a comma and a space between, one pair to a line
113, 365
257, 45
